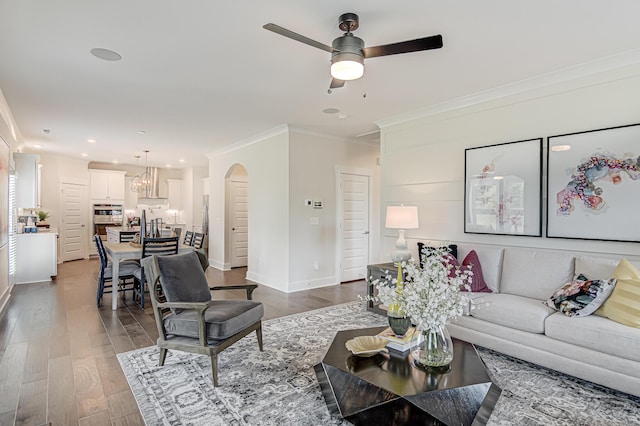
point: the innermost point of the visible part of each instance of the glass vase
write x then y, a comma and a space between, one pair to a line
434, 348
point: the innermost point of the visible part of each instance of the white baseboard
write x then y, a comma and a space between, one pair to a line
219, 265
309, 284
295, 286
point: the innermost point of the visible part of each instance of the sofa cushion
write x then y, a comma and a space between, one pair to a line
478, 284
520, 313
475, 300
581, 297
535, 274
624, 304
597, 333
491, 261
595, 267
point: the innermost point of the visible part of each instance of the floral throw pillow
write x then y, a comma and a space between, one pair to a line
581, 297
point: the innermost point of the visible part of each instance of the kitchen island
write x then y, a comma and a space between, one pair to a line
37, 256
121, 234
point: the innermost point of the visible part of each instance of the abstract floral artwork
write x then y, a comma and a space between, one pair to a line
503, 189
593, 188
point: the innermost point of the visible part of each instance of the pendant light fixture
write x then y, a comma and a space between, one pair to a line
142, 183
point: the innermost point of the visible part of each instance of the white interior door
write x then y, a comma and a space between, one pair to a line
355, 226
73, 221
239, 222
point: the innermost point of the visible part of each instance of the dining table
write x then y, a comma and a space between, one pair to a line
121, 251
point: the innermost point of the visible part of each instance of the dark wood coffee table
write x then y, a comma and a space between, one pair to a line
388, 389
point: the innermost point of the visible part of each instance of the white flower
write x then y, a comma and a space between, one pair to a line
431, 295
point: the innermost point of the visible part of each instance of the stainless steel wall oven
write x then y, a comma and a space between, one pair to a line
105, 215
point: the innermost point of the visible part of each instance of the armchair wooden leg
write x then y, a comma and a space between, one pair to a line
214, 369
250, 293
259, 335
163, 355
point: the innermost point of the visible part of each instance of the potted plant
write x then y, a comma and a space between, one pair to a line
42, 217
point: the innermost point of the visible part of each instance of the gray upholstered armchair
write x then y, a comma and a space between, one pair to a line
186, 316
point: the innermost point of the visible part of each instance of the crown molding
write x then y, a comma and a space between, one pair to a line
564, 75
278, 130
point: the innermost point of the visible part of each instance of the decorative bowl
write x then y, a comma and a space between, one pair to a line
367, 345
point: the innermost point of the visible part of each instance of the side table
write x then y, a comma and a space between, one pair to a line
379, 271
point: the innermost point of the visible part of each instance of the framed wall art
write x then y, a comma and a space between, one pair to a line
593, 184
503, 185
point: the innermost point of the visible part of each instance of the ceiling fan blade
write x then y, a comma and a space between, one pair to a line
335, 83
297, 37
425, 43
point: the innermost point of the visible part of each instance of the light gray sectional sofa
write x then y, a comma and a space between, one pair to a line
514, 321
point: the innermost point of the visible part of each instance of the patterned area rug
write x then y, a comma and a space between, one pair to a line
279, 387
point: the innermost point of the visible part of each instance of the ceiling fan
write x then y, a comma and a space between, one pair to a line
348, 51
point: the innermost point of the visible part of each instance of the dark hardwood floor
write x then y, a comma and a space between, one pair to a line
58, 350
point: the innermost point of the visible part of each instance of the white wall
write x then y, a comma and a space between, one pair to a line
266, 159
423, 157
313, 161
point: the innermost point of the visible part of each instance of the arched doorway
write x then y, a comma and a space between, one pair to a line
237, 216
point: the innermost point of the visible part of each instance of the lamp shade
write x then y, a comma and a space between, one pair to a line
402, 217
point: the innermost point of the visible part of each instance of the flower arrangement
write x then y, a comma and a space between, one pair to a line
431, 295
431, 298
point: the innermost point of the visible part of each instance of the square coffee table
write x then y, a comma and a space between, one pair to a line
388, 389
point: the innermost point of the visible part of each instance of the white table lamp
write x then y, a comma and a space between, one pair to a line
401, 218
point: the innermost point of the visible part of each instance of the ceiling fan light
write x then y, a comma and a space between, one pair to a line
347, 70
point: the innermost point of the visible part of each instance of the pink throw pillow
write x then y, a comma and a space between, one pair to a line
450, 259
478, 285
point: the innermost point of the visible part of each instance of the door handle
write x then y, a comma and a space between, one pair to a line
365, 232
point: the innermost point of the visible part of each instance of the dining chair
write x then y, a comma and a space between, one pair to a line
188, 319
188, 237
126, 279
177, 232
152, 246
198, 240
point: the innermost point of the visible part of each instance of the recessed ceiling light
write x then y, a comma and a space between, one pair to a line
557, 148
142, 132
168, 165
115, 161
91, 140
84, 154
37, 146
182, 160
46, 131
105, 54
331, 110
342, 116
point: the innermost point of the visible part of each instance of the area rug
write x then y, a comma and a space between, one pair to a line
279, 387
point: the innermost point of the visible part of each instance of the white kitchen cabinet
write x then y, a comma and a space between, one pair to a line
27, 180
107, 185
36, 256
174, 193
